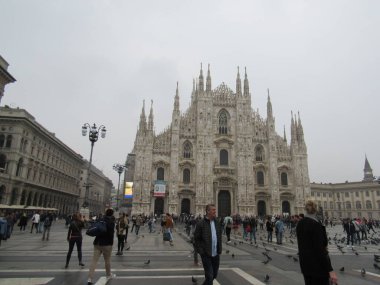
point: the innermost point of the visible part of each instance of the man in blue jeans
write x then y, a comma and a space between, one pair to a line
208, 242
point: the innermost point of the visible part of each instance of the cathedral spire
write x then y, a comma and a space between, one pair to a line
238, 83
150, 121
176, 99
284, 135
300, 128
269, 107
293, 130
208, 79
368, 175
246, 84
142, 125
201, 83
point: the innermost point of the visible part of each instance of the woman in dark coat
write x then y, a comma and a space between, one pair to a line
312, 246
74, 236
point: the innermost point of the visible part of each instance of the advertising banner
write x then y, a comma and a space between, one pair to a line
159, 188
128, 190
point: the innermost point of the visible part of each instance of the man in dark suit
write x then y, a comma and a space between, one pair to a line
312, 246
208, 242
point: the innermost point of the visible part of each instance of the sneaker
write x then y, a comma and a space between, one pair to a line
113, 275
66, 266
81, 264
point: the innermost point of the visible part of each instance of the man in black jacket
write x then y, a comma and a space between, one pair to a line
312, 246
208, 242
103, 245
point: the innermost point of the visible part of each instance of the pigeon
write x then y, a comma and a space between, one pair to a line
291, 241
147, 262
266, 261
362, 272
356, 253
235, 243
266, 279
289, 256
233, 255
376, 256
128, 248
295, 259
342, 269
227, 251
142, 236
275, 248
365, 248
256, 245
376, 266
193, 279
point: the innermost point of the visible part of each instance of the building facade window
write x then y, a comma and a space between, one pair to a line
187, 150
346, 194
8, 144
368, 204
160, 173
331, 205
284, 179
186, 176
19, 167
223, 123
223, 157
348, 205
2, 140
259, 153
358, 205
367, 193
260, 178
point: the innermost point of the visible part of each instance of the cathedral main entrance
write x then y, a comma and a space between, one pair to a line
224, 203
286, 207
185, 206
159, 206
261, 208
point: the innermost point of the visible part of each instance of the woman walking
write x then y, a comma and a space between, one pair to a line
74, 236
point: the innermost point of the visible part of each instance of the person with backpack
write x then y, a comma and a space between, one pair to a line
228, 225
48, 219
74, 237
103, 245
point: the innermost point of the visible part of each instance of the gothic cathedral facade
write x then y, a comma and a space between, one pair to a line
219, 151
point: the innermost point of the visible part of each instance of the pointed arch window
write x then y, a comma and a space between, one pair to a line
223, 123
186, 176
284, 179
260, 178
160, 173
187, 150
223, 157
259, 153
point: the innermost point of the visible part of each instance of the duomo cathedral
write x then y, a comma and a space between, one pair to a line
219, 151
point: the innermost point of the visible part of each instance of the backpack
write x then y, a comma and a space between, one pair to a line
97, 228
47, 222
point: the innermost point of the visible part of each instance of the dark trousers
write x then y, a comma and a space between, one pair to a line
350, 237
120, 243
211, 267
311, 280
228, 233
72, 242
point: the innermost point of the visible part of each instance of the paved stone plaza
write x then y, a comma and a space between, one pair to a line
26, 259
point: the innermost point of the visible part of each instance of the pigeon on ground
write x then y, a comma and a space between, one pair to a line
365, 248
289, 256
362, 272
356, 253
295, 259
376, 256
193, 279
256, 245
376, 266
342, 269
266, 279
235, 243
233, 255
128, 248
275, 248
292, 242
227, 251
147, 262
266, 261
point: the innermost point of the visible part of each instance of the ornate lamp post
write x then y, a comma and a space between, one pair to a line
93, 136
119, 168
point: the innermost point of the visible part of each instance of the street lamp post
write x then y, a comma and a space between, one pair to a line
93, 136
119, 168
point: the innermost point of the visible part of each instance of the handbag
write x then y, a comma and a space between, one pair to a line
166, 236
96, 229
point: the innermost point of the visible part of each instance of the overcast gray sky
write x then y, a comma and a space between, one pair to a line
95, 61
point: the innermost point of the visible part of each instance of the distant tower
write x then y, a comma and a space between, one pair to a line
368, 175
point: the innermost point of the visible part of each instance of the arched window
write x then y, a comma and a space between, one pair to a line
368, 204
260, 178
9, 141
19, 166
223, 157
348, 205
358, 205
160, 173
284, 179
186, 176
259, 153
187, 150
2, 194
3, 162
223, 122
2, 140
